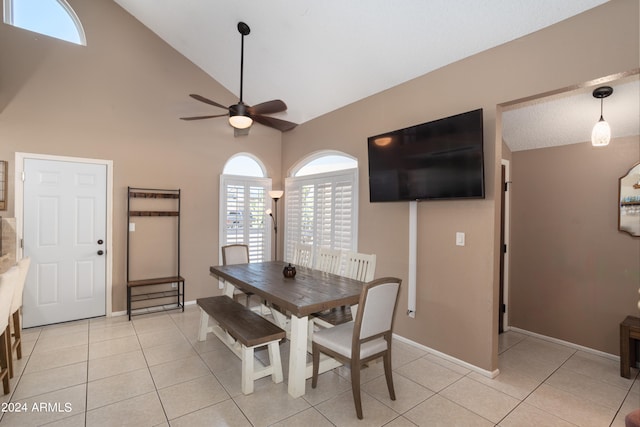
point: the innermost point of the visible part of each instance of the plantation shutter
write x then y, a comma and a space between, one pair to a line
321, 210
243, 202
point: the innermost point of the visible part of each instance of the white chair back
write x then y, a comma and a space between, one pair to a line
360, 266
235, 254
328, 260
23, 270
377, 307
8, 282
303, 255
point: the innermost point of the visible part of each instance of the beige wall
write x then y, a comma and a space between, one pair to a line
458, 286
574, 276
119, 99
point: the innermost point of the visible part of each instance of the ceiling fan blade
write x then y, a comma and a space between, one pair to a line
207, 101
269, 107
202, 117
281, 125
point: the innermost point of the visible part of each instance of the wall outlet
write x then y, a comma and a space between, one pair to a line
459, 239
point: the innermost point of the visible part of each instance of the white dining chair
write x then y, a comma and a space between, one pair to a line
328, 260
367, 338
236, 254
16, 305
360, 266
302, 255
8, 281
357, 266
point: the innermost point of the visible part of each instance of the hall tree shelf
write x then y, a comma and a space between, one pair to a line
165, 291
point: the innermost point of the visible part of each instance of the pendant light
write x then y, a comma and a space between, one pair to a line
601, 133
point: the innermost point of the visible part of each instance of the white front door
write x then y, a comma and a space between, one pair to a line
64, 234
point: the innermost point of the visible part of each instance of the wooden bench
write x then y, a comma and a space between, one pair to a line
242, 330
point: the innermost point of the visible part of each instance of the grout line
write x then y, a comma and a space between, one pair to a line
541, 383
637, 377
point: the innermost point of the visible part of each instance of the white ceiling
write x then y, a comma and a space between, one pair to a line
318, 56
568, 118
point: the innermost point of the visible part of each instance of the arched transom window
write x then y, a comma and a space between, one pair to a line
54, 18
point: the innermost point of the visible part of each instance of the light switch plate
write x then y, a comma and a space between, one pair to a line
132, 226
459, 239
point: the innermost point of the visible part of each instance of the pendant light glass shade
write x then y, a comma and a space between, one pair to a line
601, 134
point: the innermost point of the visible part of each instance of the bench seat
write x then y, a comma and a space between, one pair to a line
242, 330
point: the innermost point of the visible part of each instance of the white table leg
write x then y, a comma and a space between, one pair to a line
298, 356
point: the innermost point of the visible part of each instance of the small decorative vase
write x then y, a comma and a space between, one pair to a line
289, 271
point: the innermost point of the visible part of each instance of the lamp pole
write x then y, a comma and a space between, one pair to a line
275, 196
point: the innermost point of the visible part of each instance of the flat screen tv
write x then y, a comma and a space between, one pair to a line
442, 159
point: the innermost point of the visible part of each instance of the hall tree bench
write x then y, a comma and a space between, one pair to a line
242, 331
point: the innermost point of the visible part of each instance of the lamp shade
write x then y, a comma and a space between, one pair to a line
276, 194
601, 134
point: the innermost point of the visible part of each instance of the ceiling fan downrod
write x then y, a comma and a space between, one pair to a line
244, 30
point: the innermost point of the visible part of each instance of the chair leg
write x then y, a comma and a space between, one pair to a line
355, 386
4, 362
7, 335
17, 334
316, 365
388, 374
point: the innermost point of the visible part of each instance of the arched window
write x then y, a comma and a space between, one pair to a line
54, 18
243, 202
321, 202
325, 163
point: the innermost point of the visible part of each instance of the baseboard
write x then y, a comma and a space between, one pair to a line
474, 368
566, 343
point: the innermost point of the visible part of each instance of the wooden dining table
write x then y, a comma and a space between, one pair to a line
310, 291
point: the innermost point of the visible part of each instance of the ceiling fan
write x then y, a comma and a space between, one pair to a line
241, 115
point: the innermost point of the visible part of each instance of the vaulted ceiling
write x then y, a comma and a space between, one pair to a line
320, 56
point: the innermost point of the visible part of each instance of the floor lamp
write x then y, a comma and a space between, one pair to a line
275, 196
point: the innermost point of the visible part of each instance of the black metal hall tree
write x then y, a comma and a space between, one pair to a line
166, 291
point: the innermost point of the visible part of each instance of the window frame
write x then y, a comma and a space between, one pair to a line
295, 183
247, 182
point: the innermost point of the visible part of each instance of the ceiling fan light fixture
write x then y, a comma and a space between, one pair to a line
601, 133
239, 117
240, 122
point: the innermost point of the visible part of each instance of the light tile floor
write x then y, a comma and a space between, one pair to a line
153, 372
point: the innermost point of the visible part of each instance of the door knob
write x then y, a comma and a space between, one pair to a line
100, 252
100, 241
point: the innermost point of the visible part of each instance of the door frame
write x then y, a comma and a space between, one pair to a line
19, 210
506, 228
